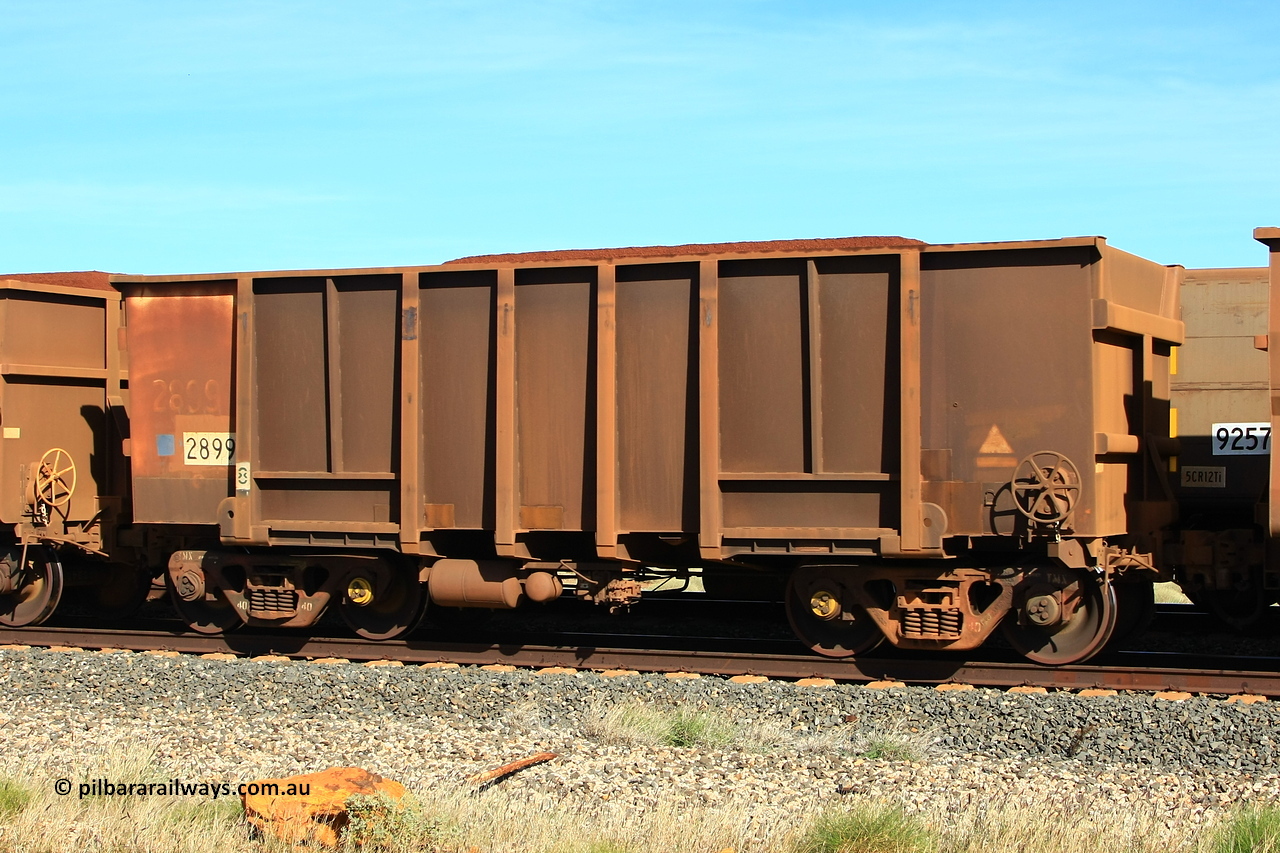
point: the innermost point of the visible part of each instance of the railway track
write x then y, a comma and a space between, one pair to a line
1137, 671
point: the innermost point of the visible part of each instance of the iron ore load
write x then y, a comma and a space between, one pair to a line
921, 442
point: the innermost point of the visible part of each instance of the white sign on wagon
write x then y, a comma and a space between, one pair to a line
1204, 477
1241, 439
208, 448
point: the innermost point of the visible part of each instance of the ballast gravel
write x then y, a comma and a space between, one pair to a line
793, 747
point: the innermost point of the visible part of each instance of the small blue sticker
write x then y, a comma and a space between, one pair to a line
164, 445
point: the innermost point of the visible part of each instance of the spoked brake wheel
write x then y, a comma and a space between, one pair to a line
1046, 487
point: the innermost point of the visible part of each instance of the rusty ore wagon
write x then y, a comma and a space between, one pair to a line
920, 442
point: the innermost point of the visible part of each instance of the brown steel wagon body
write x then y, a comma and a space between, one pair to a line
918, 439
62, 476
1222, 410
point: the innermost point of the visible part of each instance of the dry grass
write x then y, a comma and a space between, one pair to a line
35, 819
1051, 828
645, 724
458, 820
443, 819
1170, 593
637, 722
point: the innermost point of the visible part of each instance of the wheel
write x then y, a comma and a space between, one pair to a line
55, 477
824, 616
206, 611
1135, 611
1240, 607
1046, 486
1061, 617
382, 603
34, 586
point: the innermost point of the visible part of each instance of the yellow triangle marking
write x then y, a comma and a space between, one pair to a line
995, 442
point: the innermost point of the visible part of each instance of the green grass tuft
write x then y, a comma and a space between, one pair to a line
225, 811
693, 728
1252, 830
13, 797
381, 824
867, 830
888, 748
634, 722
602, 847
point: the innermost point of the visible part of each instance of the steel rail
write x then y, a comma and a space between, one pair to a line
1166, 675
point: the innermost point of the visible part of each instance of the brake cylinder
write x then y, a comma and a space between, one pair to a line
488, 583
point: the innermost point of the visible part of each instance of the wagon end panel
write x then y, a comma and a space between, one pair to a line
1006, 372
59, 364
1137, 325
1219, 379
182, 412
1045, 372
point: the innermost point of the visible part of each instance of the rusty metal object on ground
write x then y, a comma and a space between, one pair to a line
490, 777
312, 808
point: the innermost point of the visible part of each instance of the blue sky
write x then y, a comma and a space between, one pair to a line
164, 137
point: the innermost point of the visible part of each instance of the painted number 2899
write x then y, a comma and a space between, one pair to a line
208, 448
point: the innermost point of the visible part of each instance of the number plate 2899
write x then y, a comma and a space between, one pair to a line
1241, 439
208, 448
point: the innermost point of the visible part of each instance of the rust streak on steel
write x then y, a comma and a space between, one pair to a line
918, 671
